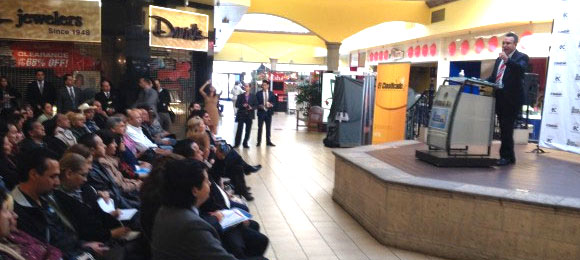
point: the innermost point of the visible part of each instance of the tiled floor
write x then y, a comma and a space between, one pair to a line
294, 198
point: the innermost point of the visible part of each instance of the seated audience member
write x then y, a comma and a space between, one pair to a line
135, 132
194, 106
100, 178
100, 115
14, 136
17, 120
156, 132
52, 143
77, 122
47, 113
8, 170
243, 240
63, 131
27, 112
89, 112
111, 163
78, 201
37, 210
178, 231
127, 155
34, 136
196, 132
16, 244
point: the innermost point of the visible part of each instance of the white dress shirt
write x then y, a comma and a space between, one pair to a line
141, 141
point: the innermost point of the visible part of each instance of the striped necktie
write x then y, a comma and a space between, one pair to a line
500, 72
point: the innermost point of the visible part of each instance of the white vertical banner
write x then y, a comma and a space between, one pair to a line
561, 115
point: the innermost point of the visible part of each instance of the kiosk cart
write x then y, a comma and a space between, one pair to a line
461, 124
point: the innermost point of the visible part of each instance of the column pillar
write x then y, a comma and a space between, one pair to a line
273, 63
332, 56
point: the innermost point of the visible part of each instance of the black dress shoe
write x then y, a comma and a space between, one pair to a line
504, 162
251, 169
258, 144
236, 146
248, 197
246, 146
270, 144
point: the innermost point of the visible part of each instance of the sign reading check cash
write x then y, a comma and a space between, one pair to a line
177, 29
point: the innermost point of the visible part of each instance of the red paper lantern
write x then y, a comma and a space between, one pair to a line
410, 52
370, 56
433, 49
425, 50
386, 55
417, 51
464, 47
380, 55
492, 44
452, 48
479, 45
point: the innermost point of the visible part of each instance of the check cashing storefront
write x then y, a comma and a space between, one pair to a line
55, 36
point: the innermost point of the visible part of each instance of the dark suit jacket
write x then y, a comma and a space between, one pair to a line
181, 234
64, 101
106, 103
34, 98
163, 102
14, 93
90, 222
244, 113
513, 80
260, 101
101, 180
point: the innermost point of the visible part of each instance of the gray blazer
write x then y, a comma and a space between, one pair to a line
147, 97
180, 234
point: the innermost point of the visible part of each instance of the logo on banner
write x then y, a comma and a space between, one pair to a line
554, 109
578, 95
576, 128
562, 47
549, 139
566, 31
560, 63
553, 126
572, 143
556, 94
575, 110
577, 78
558, 78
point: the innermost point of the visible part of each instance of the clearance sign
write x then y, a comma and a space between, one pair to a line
391, 102
53, 20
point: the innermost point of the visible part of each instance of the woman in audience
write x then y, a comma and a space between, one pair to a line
8, 170
52, 142
178, 231
196, 131
9, 96
16, 244
111, 163
100, 179
128, 159
77, 121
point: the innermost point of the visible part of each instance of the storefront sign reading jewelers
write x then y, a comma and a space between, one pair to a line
53, 20
177, 29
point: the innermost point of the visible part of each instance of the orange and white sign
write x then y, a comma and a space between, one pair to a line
391, 102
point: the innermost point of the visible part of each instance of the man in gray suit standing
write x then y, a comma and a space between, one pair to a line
147, 96
178, 231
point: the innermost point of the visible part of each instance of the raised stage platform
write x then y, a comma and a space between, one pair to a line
530, 210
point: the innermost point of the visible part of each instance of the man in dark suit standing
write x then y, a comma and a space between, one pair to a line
68, 97
40, 92
246, 104
508, 72
107, 99
266, 100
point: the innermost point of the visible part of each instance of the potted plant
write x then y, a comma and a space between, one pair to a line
309, 95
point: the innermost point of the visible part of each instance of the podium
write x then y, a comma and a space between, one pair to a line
461, 124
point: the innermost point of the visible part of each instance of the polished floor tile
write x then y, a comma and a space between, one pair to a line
294, 203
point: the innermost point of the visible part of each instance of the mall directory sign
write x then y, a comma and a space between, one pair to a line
177, 29
74, 21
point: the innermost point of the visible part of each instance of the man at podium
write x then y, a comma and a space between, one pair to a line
508, 73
